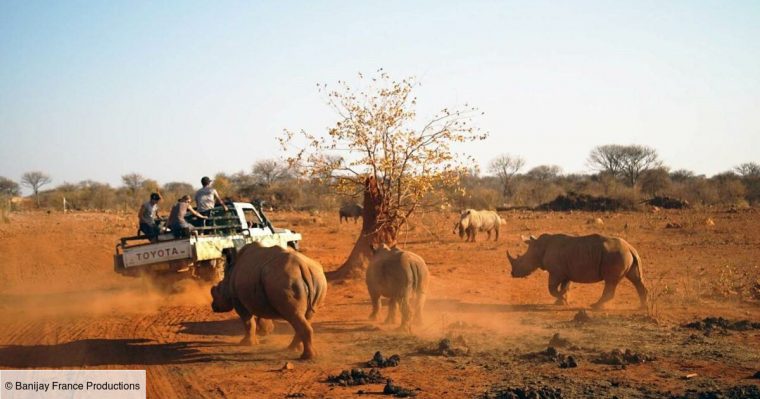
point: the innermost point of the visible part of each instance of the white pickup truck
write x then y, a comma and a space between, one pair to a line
206, 251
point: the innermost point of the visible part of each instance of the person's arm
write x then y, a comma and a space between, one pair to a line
194, 212
140, 212
216, 195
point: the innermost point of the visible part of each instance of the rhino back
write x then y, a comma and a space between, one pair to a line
257, 273
395, 274
583, 259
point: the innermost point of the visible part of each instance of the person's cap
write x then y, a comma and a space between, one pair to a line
155, 196
205, 180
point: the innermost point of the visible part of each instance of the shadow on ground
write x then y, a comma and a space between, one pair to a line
100, 352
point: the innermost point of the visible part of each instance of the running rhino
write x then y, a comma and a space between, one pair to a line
587, 259
350, 211
472, 221
401, 276
273, 283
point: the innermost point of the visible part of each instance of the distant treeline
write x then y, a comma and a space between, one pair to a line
507, 185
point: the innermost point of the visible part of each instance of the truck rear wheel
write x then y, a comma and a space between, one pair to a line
211, 271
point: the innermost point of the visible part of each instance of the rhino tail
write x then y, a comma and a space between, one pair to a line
636, 268
314, 290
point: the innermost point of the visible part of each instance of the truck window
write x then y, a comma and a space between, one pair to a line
252, 218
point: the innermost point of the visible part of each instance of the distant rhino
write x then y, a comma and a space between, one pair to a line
350, 211
587, 259
273, 283
401, 276
472, 221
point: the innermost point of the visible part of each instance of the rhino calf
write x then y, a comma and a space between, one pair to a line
472, 221
402, 277
273, 283
350, 211
587, 259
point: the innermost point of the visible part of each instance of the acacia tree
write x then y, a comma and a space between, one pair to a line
505, 167
748, 170
268, 171
376, 147
8, 187
626, 162
35, 180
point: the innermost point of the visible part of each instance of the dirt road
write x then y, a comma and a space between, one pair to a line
62, 306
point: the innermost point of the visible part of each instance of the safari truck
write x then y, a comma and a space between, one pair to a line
205, 252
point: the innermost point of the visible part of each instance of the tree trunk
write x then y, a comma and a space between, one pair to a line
374, 215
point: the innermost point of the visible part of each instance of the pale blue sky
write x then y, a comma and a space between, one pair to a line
178, 90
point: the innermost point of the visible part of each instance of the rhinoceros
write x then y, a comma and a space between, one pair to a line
587, 259
350, 211
472, 221
273, 283
401, 276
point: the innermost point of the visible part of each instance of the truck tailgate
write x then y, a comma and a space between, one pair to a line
158, 252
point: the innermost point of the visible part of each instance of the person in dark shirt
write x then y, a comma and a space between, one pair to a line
147, 215
177, 223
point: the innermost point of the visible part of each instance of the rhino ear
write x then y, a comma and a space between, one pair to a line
525, 239
373, 248
533, 238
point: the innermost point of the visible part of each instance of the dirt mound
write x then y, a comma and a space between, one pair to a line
525, 393
709, 324
582, 317
667, 202
583, 202
397, 390
551, 355
353, 377
379, 361
617, 357
447, 347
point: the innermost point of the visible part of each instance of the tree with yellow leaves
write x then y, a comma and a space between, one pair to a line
377, 147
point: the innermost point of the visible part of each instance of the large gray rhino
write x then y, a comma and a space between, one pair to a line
273, 283
401, 276
350, 211
587, 259
472, 221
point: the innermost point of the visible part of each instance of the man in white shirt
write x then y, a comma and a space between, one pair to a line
206, 197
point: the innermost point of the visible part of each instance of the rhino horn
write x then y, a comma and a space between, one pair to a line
511, 259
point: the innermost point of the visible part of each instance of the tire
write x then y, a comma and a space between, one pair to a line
211, 271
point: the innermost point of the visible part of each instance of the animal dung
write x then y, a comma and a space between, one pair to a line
379, 361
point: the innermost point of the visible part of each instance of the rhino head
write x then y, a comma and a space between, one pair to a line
220, 299
524, 265
458, 229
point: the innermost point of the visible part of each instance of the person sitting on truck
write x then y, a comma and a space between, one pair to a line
147, 216
207, 196
177, 223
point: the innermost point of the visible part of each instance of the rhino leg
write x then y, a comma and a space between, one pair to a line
564, 287
391, 319
609, 292
635, 277
375, 299
497, 235
303, 334
558, 289
406, 314
419, 304
249, 328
